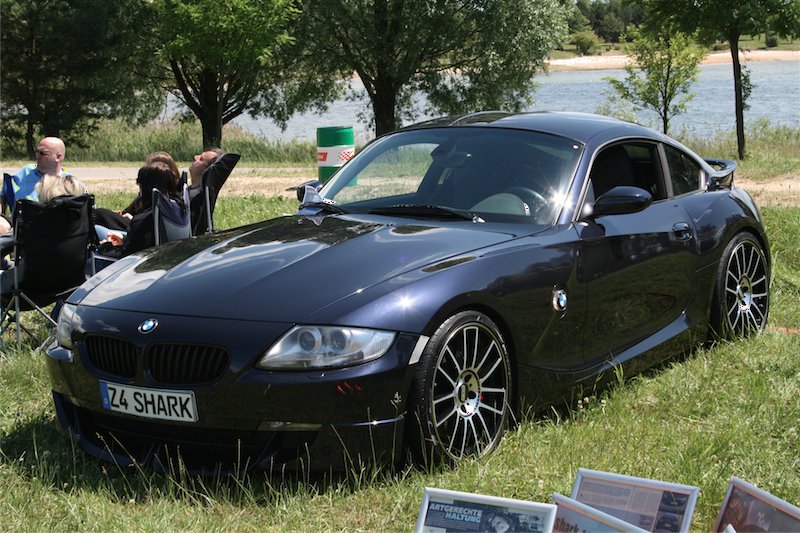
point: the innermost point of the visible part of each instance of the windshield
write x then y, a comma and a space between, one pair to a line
492, 173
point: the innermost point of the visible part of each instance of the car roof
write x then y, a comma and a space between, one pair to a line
581, 127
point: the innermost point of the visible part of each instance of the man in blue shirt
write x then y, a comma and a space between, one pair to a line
49, 156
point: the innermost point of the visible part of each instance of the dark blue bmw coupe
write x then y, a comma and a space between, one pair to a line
451, 274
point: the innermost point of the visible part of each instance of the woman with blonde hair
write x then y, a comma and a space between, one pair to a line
52, 186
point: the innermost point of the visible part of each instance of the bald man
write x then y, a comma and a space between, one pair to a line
49, 156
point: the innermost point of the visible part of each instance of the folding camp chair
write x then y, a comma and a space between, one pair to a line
7, 186
171, 223
51, 245
203, 203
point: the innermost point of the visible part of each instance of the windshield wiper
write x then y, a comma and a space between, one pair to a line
426, 211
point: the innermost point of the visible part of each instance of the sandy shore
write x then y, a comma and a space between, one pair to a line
618, 61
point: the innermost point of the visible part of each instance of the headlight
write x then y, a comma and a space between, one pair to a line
314, 347
66, 323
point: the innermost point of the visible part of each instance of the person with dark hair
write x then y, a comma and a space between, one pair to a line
107, 221
136, 205
141, 235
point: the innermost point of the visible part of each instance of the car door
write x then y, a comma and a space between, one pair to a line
636, 268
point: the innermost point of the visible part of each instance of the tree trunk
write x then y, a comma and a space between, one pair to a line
384, 103
733, 41
212, 129
29, 141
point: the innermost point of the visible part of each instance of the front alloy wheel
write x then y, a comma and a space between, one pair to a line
463, 388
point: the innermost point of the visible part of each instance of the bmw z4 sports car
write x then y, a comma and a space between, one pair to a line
451, 274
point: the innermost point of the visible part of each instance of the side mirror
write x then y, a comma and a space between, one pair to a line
622, 200
300, 190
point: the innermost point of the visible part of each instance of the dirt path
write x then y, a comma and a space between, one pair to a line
243, 181
783, 191
274, 182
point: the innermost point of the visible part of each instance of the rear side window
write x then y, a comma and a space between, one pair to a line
684, 173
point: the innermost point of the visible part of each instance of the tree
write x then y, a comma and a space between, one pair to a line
228, 58
464, 55
59, 78
729, 19
666, 65
611, 27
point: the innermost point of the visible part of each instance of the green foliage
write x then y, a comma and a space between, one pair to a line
66, 63
729, 19
586, 43
666, 67
228, 58
610, 19
774, 150
611, 27
465, 56
120, 141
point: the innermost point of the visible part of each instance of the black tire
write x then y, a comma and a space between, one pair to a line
740, 305
461, 398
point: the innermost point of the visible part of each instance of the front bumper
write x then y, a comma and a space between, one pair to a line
247, 418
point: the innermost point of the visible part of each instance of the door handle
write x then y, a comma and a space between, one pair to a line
682, 230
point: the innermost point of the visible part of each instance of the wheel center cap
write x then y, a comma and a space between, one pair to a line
744, 292
467, 393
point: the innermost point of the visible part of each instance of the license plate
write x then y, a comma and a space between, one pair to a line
149, 403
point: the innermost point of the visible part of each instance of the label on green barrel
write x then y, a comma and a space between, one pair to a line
334, 156
335, 147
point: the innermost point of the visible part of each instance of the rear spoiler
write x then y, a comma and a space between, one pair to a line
722, 176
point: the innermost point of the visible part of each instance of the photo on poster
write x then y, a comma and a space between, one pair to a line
646, 503
446, 511
573, 516
748, 508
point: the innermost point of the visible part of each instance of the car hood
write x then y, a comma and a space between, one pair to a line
281, 269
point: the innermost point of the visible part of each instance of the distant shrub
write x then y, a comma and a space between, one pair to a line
771, 41
586, 42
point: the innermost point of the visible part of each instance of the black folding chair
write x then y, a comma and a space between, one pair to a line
171, 223
203, 203
51, 245
7, 186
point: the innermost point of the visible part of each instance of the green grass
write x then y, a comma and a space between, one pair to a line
117, 141
772, 150
731, 409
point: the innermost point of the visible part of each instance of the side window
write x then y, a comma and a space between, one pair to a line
684, 173
633, 164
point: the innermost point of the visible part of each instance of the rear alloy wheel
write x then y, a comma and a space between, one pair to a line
463, 389
742, 293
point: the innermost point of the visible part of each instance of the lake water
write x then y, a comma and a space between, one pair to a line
774, 97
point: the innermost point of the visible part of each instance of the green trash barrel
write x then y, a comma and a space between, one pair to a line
335, 147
